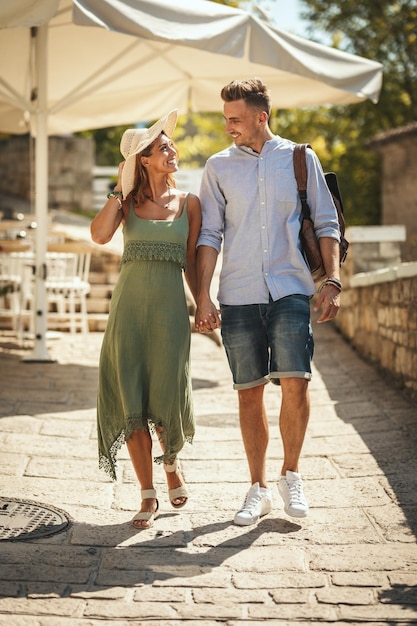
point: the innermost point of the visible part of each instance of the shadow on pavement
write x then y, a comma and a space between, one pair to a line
159, 558
405, 595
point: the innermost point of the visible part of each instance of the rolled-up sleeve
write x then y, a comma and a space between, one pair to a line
323, 211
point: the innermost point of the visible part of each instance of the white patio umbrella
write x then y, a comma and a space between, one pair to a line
70, 65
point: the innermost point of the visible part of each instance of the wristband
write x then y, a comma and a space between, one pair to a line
116, 197
335, 282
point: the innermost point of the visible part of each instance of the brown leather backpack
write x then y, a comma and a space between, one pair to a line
309, 242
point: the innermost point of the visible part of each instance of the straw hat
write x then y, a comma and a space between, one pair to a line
134, 140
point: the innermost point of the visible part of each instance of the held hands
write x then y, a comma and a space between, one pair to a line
207, 317
328, 300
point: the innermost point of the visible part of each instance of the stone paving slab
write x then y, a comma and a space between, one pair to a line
352, 561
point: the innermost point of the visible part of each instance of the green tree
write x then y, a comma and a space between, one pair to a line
198, 136
107, 142
385, 31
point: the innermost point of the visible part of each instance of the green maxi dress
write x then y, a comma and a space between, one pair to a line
144, 370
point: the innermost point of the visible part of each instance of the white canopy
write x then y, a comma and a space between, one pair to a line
134, 59
71, 65
15, 13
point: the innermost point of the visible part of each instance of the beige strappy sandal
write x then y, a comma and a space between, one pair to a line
146, 516
178, 492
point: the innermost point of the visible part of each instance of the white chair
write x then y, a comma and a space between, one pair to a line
67, 287
60, 271
11, 276
69, 290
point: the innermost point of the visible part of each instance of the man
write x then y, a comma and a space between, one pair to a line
250, 205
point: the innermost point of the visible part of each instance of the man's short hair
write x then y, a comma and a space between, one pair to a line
252, 91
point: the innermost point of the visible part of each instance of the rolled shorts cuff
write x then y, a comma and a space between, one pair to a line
252, 383
275, 377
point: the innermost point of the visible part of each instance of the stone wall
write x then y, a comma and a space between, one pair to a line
378, 315
71, 161
398, 150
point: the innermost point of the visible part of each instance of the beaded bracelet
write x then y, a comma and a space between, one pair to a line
335, 282
112, 194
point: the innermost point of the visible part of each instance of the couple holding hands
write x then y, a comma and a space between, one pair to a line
249, 205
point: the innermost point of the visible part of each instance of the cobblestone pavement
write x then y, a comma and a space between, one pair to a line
352, 561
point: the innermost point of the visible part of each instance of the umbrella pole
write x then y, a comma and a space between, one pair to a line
40, 352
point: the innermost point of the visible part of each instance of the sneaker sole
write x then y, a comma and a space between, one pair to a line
246, 522
297, 514
252, 521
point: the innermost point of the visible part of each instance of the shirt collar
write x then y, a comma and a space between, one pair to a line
267, 147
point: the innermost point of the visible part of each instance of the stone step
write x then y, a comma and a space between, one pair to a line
103, 278
97, 322
97, 278
98, 305
101, 291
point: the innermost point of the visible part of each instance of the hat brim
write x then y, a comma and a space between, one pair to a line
166, 124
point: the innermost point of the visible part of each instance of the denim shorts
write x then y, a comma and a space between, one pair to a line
267, 342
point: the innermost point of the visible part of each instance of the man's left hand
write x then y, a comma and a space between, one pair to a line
328, 301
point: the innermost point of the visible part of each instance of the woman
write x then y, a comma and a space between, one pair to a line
144, 372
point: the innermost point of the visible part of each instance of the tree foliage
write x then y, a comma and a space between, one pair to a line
384, 31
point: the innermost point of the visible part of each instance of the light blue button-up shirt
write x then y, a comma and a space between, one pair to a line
250, 204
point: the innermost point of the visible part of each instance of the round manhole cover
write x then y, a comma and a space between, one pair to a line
23, 519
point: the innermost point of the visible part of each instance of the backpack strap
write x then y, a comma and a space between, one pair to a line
300, 171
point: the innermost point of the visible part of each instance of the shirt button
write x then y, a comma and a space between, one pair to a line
261, 179
266, 273
263, 226
265, 250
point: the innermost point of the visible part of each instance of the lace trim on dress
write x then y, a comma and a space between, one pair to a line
133, 423
154, 251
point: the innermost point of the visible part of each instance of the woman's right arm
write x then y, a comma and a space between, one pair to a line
108, 220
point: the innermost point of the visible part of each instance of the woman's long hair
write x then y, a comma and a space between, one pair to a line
141, 173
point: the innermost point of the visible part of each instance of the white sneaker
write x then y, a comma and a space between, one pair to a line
290, 488
258, 502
